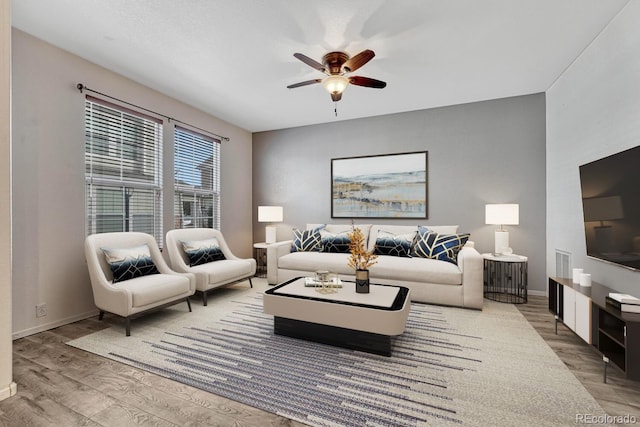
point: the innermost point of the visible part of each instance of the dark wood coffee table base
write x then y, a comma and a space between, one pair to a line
333, 335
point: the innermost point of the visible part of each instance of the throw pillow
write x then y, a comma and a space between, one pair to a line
130, 263
203, 251
394, 244
444, 247
337, 243
306, 240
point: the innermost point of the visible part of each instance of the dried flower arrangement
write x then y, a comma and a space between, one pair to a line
360, 258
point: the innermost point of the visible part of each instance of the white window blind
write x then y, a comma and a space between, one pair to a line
123, 160
197, 180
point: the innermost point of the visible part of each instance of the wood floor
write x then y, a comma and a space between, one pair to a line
619, 396
59, 385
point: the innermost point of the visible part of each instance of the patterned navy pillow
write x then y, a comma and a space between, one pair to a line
130, 263
394, 244
203, 251
306, 240
444, 247
335, 243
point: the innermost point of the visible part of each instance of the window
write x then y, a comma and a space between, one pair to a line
123, 161
197, 180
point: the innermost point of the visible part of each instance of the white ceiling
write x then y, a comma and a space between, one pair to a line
234, 58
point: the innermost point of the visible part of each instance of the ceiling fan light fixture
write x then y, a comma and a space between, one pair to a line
335, 84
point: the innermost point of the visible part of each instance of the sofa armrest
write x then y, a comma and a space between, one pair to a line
471, 264
275, 251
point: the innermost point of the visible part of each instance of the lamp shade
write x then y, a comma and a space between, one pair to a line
335, 84
502, 214
270, 214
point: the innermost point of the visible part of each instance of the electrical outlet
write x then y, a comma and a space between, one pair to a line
41, 310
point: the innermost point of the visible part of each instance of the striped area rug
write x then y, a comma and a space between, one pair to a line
450, 367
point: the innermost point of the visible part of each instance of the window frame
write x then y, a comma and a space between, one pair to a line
185, 138
123, 130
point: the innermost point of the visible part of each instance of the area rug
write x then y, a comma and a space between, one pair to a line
451, 367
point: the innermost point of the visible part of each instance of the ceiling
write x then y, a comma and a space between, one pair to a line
234, 58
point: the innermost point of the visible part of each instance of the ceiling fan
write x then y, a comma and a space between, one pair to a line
335, 65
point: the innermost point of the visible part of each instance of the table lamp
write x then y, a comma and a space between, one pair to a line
502, 214
270, 214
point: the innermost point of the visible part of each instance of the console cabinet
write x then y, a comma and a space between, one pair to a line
613, 333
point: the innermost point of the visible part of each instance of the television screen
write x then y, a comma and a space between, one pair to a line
611, 207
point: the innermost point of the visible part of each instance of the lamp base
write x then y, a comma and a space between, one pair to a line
502, 243
270, 234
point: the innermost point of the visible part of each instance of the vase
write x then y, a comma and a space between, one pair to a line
362, 281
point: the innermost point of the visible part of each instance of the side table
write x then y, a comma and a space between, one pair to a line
261, 258
505, 278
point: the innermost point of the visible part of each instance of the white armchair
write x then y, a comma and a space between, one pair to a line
130, 298
212, 274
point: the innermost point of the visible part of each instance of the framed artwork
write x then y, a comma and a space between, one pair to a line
382, 186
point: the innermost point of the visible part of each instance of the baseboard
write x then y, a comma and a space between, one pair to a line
8, 391
537, 293
55, 324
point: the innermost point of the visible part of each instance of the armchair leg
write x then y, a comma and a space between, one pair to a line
127, 325
189, 304
101, 315
204, 298
250, 282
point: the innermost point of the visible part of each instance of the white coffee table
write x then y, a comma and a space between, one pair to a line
366, 322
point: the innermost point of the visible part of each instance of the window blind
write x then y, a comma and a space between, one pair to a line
197, 180
123, 170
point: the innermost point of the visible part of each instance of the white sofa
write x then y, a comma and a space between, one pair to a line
431, 281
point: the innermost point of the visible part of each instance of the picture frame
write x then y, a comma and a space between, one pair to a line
385, 186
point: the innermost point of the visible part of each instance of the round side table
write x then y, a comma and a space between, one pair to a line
261, 258
505, 278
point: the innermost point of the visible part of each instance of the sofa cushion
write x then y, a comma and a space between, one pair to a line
420, 270
222, 271
129, 263
312, 261
307, 240
444, 247
344, 228
388, 243
337, 243
147, 290
401, 229
203, 251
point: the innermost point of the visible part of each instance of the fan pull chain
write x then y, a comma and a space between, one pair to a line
335, 108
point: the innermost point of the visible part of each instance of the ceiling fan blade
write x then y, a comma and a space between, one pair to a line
367, 82
358, 61
310, 62
335, 97
308, 82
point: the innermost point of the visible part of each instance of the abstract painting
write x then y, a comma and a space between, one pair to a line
381, 186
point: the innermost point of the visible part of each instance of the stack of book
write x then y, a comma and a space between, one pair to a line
624, 302
311, 282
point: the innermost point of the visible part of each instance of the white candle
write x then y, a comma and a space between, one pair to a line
585, 280
576, 274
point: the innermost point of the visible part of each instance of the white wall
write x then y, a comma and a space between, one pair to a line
7, 387
48, 178
593, 110
482, 152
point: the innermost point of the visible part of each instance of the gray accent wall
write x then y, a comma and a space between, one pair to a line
593, 111
48, 178
479, 153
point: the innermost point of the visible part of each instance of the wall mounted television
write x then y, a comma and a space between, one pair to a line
611, 207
